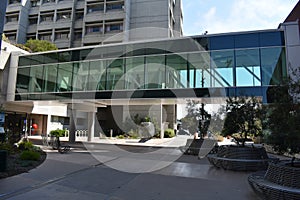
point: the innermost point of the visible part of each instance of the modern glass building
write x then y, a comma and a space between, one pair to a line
233, 64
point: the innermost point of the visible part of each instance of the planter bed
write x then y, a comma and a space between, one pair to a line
238, 158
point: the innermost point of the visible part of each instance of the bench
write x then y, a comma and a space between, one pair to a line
280, 181
192, 146
240, 158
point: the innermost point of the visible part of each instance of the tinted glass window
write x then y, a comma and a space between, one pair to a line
272, 39
222, 68
221, 42
247, 40
248, 68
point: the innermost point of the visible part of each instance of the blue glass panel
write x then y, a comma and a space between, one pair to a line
50, 76
64, 78
115, 74
272, 39
199, 65
96, 76
221, 42
248, 68
247, 40
273, 65
36, 79
221, 70
155, 72
135, 73
23, 78
176, 74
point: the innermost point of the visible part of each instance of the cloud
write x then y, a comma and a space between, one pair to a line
241, 15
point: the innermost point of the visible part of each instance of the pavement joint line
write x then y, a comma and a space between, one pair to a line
48, 182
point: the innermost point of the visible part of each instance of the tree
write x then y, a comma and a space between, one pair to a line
40, 45
243, 117
197, 118
284, 116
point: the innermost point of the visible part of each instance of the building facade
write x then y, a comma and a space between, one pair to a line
2, 15
98, 88
76, 23
107, 85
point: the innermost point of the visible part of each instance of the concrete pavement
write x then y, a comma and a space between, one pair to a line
110, 172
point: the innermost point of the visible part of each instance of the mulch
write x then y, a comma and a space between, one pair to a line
17, 166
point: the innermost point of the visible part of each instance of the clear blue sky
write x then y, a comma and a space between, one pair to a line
220, 16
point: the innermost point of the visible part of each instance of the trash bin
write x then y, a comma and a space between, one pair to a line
3, 160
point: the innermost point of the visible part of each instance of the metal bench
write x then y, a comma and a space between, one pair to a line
280, 181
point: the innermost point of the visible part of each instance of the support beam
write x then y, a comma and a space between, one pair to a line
91, 126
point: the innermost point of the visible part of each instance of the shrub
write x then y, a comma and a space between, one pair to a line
169, 133
121, 137
26, 146
58, 133
30, 155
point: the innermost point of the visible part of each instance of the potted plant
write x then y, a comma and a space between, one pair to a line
55, 135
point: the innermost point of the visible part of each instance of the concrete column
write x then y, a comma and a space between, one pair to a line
91, 126
160, 121
12, 76
72, 126
48, 124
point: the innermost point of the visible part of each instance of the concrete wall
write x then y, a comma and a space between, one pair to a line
145, 13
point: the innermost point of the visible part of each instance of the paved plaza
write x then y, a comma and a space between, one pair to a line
117, 172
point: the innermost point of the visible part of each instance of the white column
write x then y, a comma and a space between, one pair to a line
160, 121
91, 125
48, 124
12, 76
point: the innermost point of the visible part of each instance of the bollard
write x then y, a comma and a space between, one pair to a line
111, 133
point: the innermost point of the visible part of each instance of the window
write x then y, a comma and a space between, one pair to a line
77, 34
45, 35
63, 14
114, 27
222, 68
79, 14
31, 36
62, 35
33, 19
248, 67
11, 36
34, 3
48, 1
114, 6
14, 1
12, 18
95, 7
47, 17
94, 28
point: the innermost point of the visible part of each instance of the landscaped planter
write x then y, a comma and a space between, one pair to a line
240, 158
3, 160
280, 181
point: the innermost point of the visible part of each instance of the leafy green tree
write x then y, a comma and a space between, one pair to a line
243, 117
197, 118
283, 119
40, 45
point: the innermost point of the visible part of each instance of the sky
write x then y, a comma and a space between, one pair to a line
221, 16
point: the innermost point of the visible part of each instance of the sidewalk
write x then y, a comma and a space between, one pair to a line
81, 175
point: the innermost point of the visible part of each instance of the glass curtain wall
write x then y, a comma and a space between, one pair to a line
224, 68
